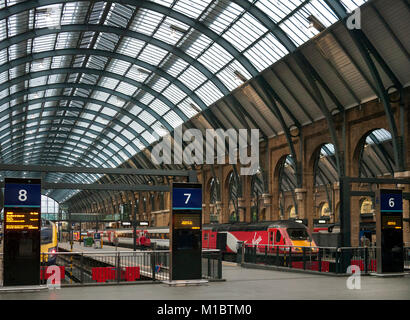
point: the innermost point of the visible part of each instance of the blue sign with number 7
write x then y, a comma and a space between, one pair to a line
187, 198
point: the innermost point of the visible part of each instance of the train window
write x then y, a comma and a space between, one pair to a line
278, 236
298, 234
271, 237
205, 236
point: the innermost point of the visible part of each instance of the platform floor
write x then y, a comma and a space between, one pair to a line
240, 284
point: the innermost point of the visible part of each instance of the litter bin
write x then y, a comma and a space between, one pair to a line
88, 242
97, 241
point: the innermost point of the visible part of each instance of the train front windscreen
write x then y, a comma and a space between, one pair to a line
298, 234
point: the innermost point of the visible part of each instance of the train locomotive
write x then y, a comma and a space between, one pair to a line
281, 236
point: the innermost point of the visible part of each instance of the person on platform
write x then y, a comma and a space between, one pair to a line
143, 240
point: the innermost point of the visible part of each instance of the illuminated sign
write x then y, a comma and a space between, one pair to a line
185, 198
22, 219
186, 221
22, 195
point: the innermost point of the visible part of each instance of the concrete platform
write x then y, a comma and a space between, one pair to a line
240, 284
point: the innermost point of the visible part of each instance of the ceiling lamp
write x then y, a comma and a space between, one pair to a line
315, 24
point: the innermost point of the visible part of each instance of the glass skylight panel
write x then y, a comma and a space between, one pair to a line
44, 43
159, 107
146, 117
265, 52
131, 149
4, 77
108, 83
209, 93
191, 8
88, 78
136, 126
130, 46
186, 107
73, 13
152, 54
66, 40
106, 41
177, 67
170, 34
126, 88
199, 45
109, 111
118, 16
146, 98
130, 136
146, 21
173, 119
3, 33
222, 20
159, 130
148, 137
229, 79
192, 78
278, 9
160, 84
352, 4
215, 58
244, 32
96, 62
174, 94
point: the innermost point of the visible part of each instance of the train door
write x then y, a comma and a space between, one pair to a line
221, 241
279, 240
271, 237
205, 239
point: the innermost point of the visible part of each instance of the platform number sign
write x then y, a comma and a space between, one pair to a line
22, 195
391, 201
186, 198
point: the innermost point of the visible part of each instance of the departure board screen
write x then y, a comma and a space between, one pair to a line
391, 222
187, 221
21, 219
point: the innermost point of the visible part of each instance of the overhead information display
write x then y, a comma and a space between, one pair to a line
22, 219
22, 225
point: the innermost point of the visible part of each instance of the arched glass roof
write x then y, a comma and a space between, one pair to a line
93, 83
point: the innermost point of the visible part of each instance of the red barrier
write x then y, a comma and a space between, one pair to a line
102, 274
314, 265
132, 273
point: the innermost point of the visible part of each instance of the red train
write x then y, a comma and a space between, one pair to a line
282, 235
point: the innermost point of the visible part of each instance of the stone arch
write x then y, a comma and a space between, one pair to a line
361, 167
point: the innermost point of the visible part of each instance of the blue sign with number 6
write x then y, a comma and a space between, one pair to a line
392, 202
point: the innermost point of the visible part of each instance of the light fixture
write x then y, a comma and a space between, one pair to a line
239, 76
175, 29
315, 24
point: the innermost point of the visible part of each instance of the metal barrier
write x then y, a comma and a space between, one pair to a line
321, 259
77, 268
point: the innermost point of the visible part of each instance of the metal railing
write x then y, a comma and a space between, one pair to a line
321, 259
117, 267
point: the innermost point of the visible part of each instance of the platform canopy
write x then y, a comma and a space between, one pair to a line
98, 83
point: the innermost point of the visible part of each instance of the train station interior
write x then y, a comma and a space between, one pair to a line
234, 146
